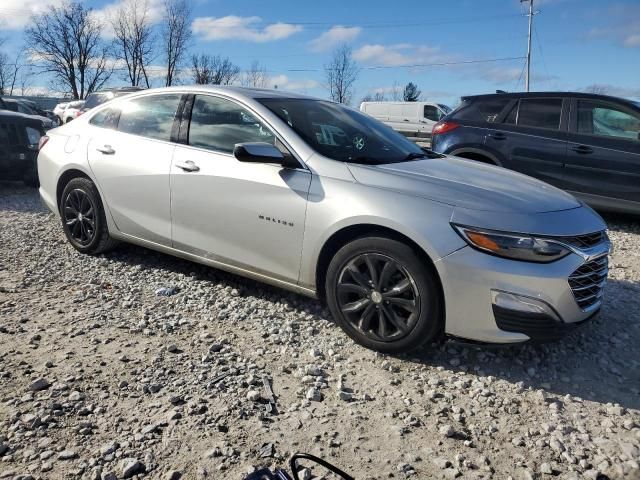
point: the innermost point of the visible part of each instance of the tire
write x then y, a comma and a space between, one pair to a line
406, 295
83, 218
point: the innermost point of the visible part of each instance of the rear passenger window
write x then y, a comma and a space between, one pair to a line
540, 113
107, 118
150, 117
483, 109
218, 124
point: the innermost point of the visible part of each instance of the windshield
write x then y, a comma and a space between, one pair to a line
341, 133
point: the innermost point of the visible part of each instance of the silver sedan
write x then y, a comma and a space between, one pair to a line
404, 245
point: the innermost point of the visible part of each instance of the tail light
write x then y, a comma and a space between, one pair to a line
42, 142
78, 113
443, 127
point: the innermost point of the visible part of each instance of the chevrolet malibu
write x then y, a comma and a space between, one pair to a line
403, 244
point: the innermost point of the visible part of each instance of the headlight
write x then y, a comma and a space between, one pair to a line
513, 245
34, 137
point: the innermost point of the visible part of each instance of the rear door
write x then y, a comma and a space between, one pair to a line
603, 158
130, 153
533, 137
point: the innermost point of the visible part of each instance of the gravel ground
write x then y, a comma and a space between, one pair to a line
100, 378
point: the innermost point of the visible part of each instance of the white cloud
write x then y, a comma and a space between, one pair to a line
632, 40
334, 36
233, 27
400, 54
16, 14
285, 83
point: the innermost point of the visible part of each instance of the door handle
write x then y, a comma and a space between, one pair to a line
106, 150
582, 149
406, 120
188, 166
498, 136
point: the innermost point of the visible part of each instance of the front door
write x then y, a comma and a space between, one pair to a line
130, 155
603, 157
244, 214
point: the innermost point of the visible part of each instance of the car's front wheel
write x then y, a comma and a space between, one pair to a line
383, 295
83, 217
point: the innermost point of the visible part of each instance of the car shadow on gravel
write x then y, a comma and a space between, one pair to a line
597, 362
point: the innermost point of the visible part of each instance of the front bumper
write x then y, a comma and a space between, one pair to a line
470, 278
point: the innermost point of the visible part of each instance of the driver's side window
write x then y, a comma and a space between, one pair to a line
219, 124
431, 113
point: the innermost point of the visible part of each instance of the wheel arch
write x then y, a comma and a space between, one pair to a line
65, 178
351, 232
476, 154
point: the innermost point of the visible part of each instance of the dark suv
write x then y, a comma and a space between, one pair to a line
586, 144
19, 138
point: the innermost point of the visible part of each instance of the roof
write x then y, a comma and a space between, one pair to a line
229, 89
33, 119
593, 96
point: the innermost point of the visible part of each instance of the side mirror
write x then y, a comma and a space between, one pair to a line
261, 152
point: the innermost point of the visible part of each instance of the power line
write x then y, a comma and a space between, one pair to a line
371, 67
544, 62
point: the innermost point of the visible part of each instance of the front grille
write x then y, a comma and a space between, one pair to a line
584, 241
587, 282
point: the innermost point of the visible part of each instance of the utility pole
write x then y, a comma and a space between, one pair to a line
531, 14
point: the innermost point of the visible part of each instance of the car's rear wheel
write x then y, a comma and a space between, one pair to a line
383, 295
83, 218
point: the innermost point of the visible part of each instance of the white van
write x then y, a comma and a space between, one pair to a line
412, 119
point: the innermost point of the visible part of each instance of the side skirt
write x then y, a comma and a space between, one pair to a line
243, 272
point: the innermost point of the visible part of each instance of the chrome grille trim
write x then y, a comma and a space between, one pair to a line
587, 283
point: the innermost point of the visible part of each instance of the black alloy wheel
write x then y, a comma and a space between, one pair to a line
378, 296
83, 217
79, 214
385, 294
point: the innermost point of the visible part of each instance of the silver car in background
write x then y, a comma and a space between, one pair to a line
403, 244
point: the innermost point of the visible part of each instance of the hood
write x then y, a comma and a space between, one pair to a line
466, 184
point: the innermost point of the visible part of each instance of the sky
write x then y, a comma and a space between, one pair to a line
576, 43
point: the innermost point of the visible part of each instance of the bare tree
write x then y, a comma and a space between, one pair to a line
134, 40
213, 70
375, 97
176, 34
4, 73
66, 42
256, 76
397, 93
341, 73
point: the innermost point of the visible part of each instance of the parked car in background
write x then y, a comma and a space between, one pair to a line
59, 108
310, 195
98, 98
586, 144
39, 111
414, 120
20, 135
21, 107
72, 110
